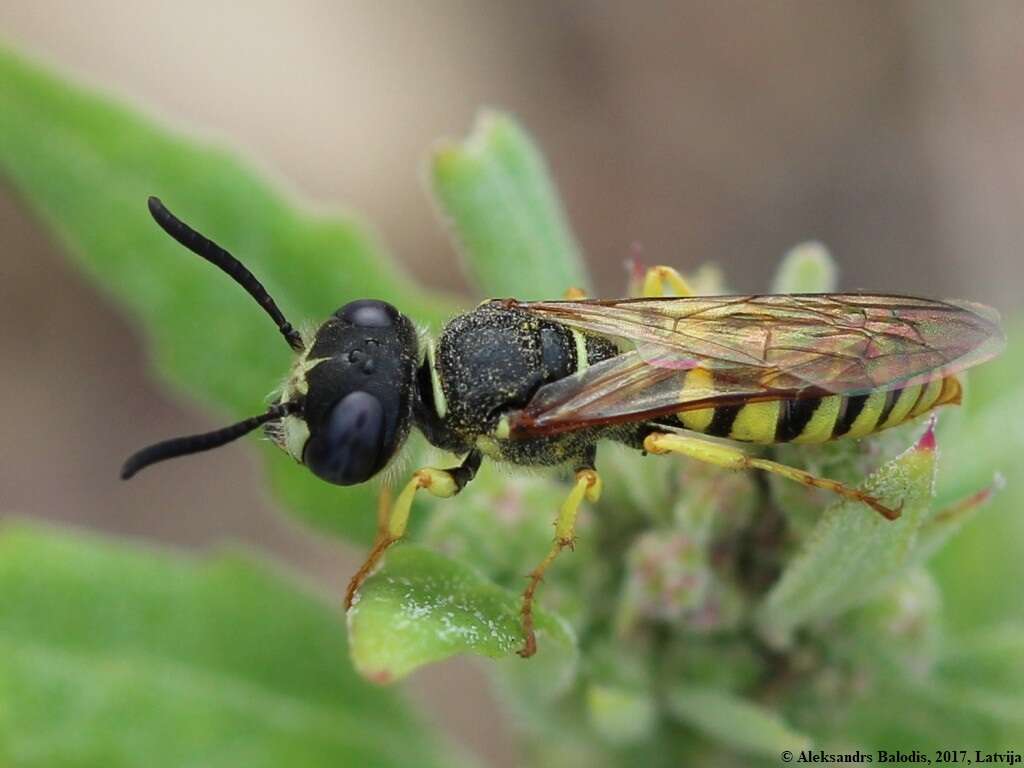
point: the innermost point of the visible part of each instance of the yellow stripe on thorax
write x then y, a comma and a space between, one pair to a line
755, 423
582, 361
819, 428
440, 401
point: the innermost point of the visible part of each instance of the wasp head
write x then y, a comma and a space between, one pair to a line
355, 385
346, 408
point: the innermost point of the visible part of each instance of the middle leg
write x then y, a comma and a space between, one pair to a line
587, 486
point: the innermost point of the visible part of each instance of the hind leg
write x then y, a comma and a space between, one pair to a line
733, 458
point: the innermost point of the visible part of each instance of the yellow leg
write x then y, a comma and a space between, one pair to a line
383, 509
656, 277
725, 456
588, 486
392, 522
573, 294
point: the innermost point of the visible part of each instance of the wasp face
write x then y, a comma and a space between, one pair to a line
356, 383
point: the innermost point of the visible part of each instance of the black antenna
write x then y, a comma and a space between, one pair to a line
213, 253
183, 446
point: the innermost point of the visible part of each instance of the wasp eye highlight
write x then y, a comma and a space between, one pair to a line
348, 448
369, 313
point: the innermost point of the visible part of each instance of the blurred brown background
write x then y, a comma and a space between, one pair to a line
707, 131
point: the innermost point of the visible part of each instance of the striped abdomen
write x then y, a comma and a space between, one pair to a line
819, 419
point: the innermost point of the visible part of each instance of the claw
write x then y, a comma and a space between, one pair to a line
529, 646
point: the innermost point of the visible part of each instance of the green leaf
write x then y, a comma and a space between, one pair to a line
86, 167
990, 656
422, 607
903, 624
113, 656
853, 552
980, 569
620, 715
495, 191
737, 723
950, 520
970, 695
983, 672
806, 268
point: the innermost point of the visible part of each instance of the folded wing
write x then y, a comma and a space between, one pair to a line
687, 353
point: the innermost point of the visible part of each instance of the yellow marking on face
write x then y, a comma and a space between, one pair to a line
902, 407
502, 431
699, 383
931, 393
440, 401
819, 428
755, 422
867, 419
582, 361
297, 380
296, 433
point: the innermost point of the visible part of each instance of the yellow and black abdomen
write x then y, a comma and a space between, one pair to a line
820, 419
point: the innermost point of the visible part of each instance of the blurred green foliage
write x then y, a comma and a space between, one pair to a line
113, 655
703, 616
852, 552
86, 167
494, 191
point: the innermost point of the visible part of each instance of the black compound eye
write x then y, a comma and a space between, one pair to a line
348, 448
369, 313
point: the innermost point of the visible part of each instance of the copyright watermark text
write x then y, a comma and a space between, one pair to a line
899, 757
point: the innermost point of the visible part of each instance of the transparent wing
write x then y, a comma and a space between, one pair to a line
754, 348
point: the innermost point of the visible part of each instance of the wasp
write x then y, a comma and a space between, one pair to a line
542, 383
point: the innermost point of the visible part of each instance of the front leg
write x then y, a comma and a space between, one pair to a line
442, 483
